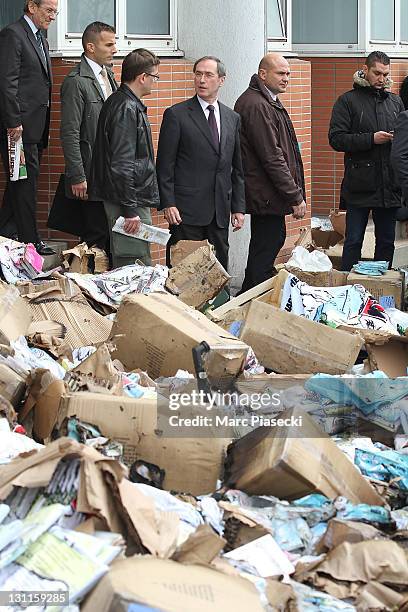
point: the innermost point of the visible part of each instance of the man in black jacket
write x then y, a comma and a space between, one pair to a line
123, 174
25, 103
362, 126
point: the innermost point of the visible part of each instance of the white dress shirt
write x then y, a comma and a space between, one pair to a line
204, 105
97, 69
273, 96
31, 24
34, 29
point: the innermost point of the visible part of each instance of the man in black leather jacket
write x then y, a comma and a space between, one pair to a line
362, 127
123, 172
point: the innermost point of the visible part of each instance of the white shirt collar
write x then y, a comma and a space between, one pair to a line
97, 68
205, 104
31, 24
273, 96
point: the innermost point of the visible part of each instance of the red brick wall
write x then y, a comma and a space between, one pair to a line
174, 86
297, 101
330, 78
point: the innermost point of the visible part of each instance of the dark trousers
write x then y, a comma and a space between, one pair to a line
96, 229
18, 212
217, 236
268, 235
356, 223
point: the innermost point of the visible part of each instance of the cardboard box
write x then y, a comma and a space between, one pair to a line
331, 278
15, 315
289, 344
167, 585
389, 354
290, 462
325, 239
12, 385
157, 333
192, 465
83, 325
197, 278
386, 289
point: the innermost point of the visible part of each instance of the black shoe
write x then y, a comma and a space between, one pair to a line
43, 249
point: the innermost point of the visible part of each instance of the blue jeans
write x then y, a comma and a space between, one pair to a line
356, 223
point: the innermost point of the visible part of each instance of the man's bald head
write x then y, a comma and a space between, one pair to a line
274, 72
270, 60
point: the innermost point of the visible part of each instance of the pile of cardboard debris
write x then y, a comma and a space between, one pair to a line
161, 452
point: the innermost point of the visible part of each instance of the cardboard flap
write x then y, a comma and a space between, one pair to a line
174, 587
184, 248
15, 315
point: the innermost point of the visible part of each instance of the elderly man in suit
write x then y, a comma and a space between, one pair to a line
25, 103
83, 94
199, 166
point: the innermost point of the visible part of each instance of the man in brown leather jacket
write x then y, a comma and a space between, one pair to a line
273, 168
123, 172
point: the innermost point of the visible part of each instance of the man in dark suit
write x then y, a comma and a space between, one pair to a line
25, 99
199, 166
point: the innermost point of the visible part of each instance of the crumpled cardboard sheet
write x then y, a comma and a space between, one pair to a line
84, 259
15, 315
339, 531
97, 373
200, 548
58, 286
84, 326
104, 491
346, 569
45, 392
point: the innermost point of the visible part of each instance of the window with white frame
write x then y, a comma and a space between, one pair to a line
278, 24
388, 26
382, 21
404, 22
147, 23
325, 22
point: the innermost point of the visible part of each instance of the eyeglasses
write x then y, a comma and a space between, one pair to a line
207, 75
156, 77
51, 12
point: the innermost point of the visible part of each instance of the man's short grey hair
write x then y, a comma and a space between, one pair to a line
37, 2
220, 65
